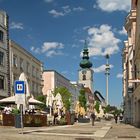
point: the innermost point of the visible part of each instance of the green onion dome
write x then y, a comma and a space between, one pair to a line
85, 63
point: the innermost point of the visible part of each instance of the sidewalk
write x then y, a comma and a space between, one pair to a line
123, 132
104, 130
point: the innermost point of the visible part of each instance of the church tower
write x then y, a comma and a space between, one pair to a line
86, 72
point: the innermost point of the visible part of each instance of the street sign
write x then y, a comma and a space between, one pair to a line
19, 92
19, 87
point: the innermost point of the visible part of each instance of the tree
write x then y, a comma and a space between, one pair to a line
82, 99
111, 109
97, 106
41, 98
66, 96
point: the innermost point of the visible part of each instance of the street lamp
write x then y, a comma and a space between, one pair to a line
107, 73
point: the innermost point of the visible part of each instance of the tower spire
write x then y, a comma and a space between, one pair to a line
85, 63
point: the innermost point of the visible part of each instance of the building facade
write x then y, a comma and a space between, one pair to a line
23, 61
131, 66
4, 56
52, 79
136, 93
86, 72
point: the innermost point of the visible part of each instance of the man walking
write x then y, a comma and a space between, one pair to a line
93, 118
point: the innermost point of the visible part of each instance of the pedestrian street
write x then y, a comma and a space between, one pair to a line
76, 131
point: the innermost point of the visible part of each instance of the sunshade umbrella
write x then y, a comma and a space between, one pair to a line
11, 100
49, 100
23, 77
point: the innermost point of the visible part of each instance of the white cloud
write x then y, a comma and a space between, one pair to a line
101, 68
18, 25
48, 1
51, 45
35, 50
75, 46
119, 75
56, 13
53, 53
78, 9
86, 27
123, 31
65, 10
102, 41
49, 49
113, 5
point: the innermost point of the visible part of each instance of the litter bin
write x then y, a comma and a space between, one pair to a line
17, 121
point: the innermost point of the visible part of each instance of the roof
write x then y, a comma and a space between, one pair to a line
57, 73
15, 44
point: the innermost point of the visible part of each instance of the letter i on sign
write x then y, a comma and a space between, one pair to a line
19, 87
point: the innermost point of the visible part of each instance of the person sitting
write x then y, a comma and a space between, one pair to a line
7, 110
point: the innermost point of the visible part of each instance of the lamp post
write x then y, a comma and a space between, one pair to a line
107, 73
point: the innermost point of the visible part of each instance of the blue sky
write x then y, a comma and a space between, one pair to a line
54, 31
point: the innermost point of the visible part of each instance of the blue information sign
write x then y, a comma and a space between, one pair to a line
19, 87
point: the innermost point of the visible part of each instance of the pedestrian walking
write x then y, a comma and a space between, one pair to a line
116, 118
93, 118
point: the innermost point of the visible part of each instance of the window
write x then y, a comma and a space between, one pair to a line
21, 64
33, 86
33, 71
15, 61
129, 32
1, 36
1, 82
84, 77
37, 73
84, 74
1, 58
27, 68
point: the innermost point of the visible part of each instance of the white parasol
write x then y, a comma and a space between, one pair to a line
58, 103
11, 100
23, 77
49, 100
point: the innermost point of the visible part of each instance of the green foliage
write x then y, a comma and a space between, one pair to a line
82, 99
15, 111
41, 98
97, 106
62, 121
112, 110
66, 96
117, 111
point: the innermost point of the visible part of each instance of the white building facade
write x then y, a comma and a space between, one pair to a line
23, 61
52, 79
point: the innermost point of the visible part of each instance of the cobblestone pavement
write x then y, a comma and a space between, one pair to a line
123, 132
104, 130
